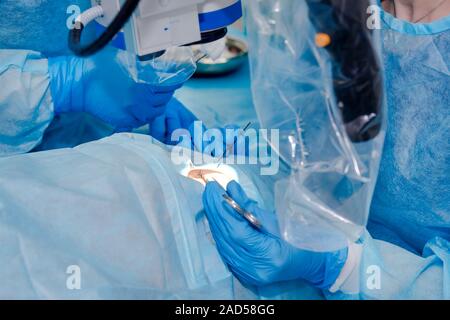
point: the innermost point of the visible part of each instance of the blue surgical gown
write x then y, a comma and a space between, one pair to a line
32, 32
412, 195
410, 214
40, 26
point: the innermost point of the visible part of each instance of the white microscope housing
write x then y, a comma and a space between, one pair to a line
157, 25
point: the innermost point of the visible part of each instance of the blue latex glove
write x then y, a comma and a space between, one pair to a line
200, 137
176, 116
229, 142
104, 86
261, 257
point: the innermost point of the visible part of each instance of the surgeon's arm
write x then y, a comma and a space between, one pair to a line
386, 271
26, 106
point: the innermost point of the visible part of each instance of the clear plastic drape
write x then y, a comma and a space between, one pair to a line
317, 78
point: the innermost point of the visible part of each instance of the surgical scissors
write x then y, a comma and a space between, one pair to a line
254, 222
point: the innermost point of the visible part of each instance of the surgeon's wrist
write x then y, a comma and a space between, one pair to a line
348, 278
334, 264
321, 269
67, 84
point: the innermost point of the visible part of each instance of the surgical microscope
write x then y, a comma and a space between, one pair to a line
154, 25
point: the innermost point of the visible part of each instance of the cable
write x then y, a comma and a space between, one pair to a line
86, 17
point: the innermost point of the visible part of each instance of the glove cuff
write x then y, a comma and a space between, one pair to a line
66, 83
334, 264
348, 279
321, 269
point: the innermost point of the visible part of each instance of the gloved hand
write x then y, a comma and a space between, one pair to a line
261, 257
176, 116
105, 86
203, 140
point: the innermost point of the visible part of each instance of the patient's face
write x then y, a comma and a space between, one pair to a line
221, 174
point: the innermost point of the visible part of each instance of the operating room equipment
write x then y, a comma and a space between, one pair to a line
325, 200
154, 25
221, 100
41, 80
231, 59
357, 72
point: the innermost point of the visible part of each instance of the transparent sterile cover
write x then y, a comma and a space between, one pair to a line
317, 77
172, 69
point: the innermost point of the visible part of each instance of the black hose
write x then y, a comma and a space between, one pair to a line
116, 25
210, 36
357, 70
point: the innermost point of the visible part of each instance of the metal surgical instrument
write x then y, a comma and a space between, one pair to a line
254, 222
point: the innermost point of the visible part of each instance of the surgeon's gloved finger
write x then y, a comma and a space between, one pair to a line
267, 219
221, 235
231, 254
175, 109
163, 88
238, 194
187, 117
146, 113
214, 203
238, 229
173, 123
144, 106
123, 122
158, 128
241, 231
196, 130
162, 99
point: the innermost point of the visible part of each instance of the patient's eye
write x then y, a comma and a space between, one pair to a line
222, 175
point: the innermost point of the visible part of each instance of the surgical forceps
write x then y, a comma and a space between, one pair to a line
254, 222
228, 147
